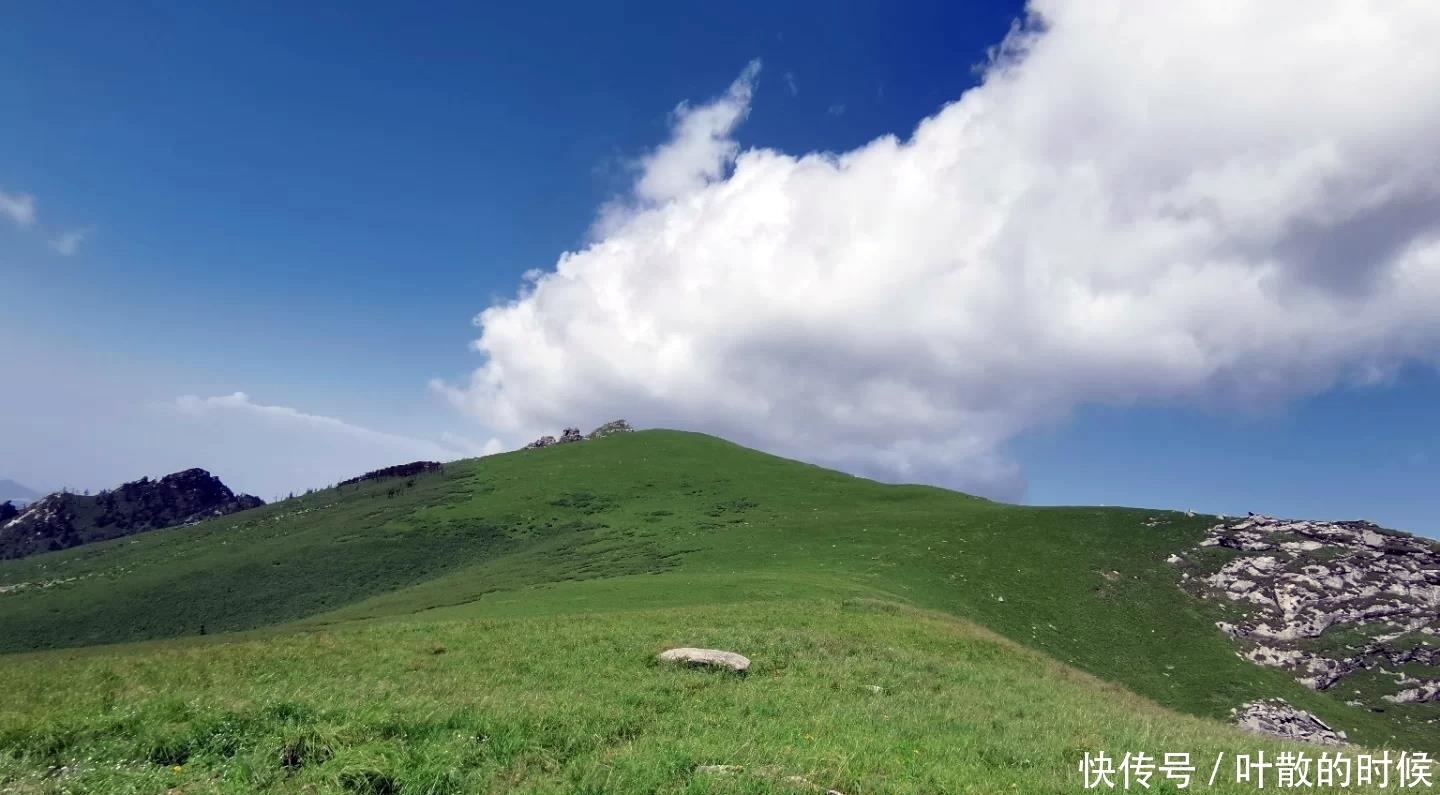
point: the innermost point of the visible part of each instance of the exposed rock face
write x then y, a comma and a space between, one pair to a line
610, 428
1277, 718
63, 520
398, 471
1324, 600
574, 435
1426, 691
566, 436
713, 658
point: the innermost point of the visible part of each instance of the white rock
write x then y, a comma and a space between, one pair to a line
707, 657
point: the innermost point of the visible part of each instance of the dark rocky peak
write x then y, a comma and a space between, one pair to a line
66, 519
409, 470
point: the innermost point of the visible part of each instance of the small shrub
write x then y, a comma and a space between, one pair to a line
305, 748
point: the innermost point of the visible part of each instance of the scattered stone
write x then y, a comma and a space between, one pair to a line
1427, 691
1299, 580
1277, 718
570, 435
713, 658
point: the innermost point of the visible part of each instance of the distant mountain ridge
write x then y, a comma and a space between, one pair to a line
64, 519
17, 493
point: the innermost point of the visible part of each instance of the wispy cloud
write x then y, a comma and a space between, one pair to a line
450, 446
68, 243
18, 207
836, 110
280, 448
792, 84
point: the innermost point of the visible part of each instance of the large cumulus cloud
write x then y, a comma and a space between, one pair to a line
1194, 201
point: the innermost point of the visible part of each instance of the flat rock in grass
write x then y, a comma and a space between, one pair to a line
770, 772
711, 658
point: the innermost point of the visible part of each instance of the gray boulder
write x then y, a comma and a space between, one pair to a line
711, 658
1277, 718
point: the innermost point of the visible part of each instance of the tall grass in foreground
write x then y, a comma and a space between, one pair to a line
862, 696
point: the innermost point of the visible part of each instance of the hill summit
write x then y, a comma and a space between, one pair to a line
63, 519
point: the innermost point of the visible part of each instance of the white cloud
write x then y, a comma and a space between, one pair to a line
835, 110
18, 207
1142, 203
792, 84
68, 243
469, 447
299, 449
701, 145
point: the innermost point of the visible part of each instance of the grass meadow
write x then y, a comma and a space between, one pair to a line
492, 628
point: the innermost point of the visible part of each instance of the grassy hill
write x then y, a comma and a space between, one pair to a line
491, 626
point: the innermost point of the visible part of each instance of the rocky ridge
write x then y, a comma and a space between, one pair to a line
409, 470
64, 519
569, 435
1326, 601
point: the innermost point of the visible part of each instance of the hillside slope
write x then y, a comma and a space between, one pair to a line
860, 695
659, 520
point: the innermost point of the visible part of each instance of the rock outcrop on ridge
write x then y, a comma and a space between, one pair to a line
409, 470
1327, 601
64, 519
573, 434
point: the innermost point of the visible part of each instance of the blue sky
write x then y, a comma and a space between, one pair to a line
309, 203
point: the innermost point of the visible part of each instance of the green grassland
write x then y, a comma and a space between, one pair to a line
491, 628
